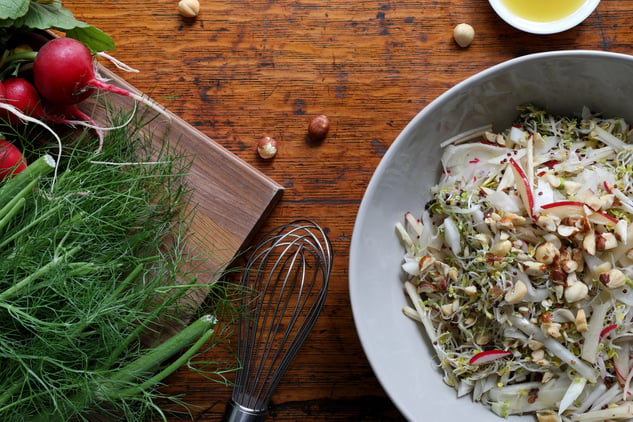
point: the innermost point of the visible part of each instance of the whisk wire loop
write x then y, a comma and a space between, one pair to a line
285, 286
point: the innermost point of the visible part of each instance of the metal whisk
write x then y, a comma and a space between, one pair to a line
285, 284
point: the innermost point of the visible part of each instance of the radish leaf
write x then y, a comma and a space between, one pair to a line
12, 9
52, 15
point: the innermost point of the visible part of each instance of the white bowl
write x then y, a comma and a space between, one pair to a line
562, 82
552, 27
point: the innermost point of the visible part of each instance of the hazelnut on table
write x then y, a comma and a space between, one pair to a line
463, 34
189, 8
267, 147
319, 128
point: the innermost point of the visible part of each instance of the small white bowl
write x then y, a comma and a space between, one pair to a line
551, 27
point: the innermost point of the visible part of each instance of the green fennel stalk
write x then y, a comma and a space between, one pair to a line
95, 267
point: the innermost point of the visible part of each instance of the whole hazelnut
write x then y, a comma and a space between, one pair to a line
463, 34
189, 8
267, 147
319, 127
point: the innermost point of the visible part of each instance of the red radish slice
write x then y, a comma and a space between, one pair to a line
488, 356
606, 330
564, 209
523, 186
619, 374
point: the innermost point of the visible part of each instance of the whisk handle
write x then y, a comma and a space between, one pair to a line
238, 413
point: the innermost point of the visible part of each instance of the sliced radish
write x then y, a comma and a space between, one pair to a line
523, 186
620, 374
564, 209
598, 217
488, 356
621, 363
606, 330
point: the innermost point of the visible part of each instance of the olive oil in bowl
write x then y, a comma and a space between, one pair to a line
543, 10
544, 16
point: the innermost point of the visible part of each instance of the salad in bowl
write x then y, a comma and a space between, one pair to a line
520, 267
489, 268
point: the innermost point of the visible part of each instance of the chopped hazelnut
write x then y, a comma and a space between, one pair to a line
426, 262
551, 329
481, 239
516, 293
581, 321
567, 231
569, 266
534, 268
470, 290
589, 243
605, 241
501, 248
546, 253
575, 291
547, 222
613, 279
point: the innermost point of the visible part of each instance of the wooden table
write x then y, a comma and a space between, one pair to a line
251, 68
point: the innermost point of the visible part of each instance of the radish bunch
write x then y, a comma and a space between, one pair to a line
63, 76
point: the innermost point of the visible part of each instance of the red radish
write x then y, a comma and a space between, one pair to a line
564, 209
11, 159
21, 94
523, 186
488, 356
64, 72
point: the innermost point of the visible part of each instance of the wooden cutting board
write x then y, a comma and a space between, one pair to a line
231, 199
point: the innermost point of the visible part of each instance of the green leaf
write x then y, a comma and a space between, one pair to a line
48, 15
94, 38
13, 9
51, 15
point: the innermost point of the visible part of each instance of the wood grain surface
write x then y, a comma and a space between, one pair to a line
251, 68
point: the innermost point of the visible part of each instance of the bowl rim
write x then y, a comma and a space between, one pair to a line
552, 27
355, 258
